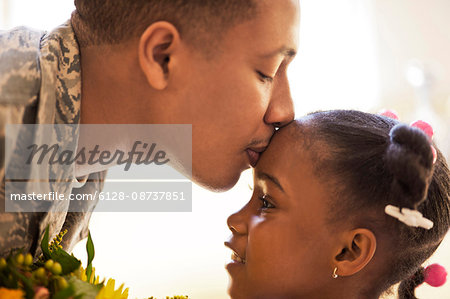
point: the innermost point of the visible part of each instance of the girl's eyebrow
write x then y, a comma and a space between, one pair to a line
263, 176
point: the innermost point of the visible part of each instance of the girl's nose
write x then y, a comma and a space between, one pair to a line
237, 222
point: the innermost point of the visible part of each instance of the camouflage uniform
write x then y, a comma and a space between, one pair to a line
40, 83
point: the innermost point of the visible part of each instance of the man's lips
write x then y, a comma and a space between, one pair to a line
253, 157
254, 153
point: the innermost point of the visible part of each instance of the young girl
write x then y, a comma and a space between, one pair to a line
345, 205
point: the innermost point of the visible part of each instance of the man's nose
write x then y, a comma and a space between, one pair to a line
281, 108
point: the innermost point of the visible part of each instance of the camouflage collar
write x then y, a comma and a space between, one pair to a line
61, 77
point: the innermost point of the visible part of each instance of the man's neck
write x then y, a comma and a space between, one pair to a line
107, 97
105, 85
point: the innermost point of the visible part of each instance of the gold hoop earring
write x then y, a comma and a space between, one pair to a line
335, 273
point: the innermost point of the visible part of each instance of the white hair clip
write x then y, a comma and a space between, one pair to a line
409, 217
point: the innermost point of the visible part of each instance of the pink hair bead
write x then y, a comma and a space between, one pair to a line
435, 275
389, 113
424, 126
433, 150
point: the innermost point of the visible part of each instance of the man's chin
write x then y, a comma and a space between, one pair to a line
217, 183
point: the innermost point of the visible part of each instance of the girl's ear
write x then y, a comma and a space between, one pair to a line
157, 46
356, 251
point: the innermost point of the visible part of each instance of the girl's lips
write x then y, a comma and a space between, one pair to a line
235, 264
253, 156
236, 258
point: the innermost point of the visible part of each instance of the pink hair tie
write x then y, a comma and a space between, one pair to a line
435, 275
389, 113
425, 127
428, 130
420, 124
434, 154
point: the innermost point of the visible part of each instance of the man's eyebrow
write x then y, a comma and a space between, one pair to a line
288, 52
263, 176
284, 51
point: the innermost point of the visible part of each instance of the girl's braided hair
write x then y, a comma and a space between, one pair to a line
371, 161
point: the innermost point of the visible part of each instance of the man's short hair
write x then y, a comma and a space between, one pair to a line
98, 22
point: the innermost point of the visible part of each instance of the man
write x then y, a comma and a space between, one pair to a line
218, 65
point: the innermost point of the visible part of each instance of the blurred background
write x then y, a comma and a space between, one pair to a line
360, 54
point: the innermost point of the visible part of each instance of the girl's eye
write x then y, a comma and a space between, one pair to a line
265, 203
265, 78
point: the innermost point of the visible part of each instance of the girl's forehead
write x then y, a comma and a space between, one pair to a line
289, 164
286, 157
289, 141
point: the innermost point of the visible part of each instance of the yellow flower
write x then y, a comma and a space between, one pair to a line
81, 274
108, 292
11, 294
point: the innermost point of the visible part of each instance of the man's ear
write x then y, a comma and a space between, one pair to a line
156, 47
355, 252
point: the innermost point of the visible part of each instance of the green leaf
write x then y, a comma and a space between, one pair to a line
44, 245
84, 289
90, 248
89, 272
68, 262
65, 293
91, 253
28, 286
4, 282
